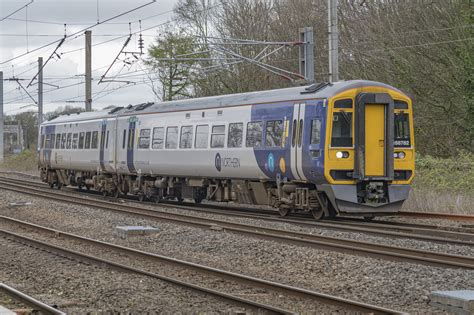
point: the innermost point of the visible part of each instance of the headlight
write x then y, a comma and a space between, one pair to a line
342, 154
399, 155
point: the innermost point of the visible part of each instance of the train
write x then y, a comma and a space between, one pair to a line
329, 149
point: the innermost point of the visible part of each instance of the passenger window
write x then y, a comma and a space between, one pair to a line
236, 131
107, 140
144, 139
202, 136
58, 141
274, 133
341, 129
68, 143
43, 139
75, 139
186, 141
47, 141
124, 138
63, 141
254, 134
402, 130
218, 136
315, 131
95, 136
158, 136
88, 140
81, 140
171, 138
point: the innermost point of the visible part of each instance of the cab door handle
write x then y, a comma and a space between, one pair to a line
381, 143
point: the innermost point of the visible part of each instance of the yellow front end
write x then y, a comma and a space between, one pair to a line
358, 148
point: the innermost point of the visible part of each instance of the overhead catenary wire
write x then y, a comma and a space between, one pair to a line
17, 10
82, 30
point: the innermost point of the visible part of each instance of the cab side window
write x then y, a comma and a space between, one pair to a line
341, 129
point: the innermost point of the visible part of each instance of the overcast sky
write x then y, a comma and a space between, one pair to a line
45, 19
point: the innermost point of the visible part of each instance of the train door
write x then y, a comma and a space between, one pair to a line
375, 140
297, 141
102, 142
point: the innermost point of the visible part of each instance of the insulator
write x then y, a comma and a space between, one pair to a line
141, 43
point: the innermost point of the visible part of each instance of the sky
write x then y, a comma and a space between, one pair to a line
42, 22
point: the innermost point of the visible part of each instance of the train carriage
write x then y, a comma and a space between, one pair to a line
343, 148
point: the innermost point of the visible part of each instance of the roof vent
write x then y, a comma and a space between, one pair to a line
143, 106
115, 109
316, 87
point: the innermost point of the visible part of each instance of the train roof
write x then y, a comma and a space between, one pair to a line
316, 91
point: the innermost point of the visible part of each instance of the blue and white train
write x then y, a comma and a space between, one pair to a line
330, 149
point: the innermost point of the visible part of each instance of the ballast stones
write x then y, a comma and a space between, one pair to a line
459, 302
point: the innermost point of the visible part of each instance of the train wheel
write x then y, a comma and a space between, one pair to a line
116, 194
318, 213
59, 186
104, 193
369, 218
141, 197
283, 211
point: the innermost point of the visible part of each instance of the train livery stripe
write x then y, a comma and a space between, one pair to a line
130, 145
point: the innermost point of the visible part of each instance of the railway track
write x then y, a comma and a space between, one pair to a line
113, 250
36, 305
284, 236
460, 236
438, 215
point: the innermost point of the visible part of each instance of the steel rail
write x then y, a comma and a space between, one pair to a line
438, 215
89, 259
420, 232
258, 282
29, 300
283, 236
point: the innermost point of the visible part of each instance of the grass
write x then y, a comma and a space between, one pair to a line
26, 161
443, 184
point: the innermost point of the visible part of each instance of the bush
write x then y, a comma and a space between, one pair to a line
454, 174
25, 161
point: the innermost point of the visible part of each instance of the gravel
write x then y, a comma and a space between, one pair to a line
396, 285
76, 287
